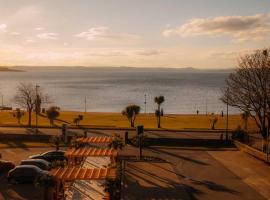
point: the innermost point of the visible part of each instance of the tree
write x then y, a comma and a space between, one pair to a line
213, 122
248, 88
27, 96
53, 113
77, 120
18, 114
159, 100
131, 113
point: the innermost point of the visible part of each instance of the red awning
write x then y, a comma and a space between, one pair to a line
73, 173
95, 140
90, 152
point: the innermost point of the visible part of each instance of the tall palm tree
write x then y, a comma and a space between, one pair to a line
131, 113
159, 100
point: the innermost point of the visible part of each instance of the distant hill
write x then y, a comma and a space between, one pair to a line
6, 69
124, 68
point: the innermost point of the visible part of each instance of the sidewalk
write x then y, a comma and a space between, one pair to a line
253, 172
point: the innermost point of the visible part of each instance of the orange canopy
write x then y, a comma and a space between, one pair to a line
73, 173
90, 152
95, 140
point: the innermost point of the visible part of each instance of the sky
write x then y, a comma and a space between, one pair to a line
141, 33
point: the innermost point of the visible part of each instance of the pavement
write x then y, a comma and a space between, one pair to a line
200, 176
251, 171
101, 132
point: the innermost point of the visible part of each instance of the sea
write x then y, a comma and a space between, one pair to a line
110, 89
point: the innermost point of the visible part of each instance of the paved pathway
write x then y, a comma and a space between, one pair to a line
201, 176
252, 171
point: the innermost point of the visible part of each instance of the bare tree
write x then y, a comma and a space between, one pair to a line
27, 97
248, 88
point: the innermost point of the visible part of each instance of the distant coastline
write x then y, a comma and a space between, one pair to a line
6, 69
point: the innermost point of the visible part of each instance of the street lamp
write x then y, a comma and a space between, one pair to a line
37, 104
267, 136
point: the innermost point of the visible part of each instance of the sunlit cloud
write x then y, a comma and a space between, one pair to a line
25, 14
48, 36
39, 29
15, 33
105, 33
3, 28
240, 28
30, 41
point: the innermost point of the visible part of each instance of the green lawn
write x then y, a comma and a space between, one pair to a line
170, 121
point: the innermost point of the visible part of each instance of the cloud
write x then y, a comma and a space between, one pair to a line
15, 33
240, 28
148, 52
39, 29
30, 41
3, 28
48, 36
25, 14
105, 33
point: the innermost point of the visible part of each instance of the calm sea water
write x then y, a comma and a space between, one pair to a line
111, 89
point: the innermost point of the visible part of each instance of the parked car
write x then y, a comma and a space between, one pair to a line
5, 166
50, 156
42, 164
24, 174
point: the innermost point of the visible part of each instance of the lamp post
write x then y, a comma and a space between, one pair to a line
267, 137
37, 104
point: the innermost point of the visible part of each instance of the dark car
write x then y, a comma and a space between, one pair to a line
42, 164
24, 174
50, 156
5, 166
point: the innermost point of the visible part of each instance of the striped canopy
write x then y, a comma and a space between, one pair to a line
73, 173
95, 140
90, 152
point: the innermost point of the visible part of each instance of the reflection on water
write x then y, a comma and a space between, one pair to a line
110, 89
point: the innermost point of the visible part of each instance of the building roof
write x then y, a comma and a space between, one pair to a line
95, 140
75, 173
89, 151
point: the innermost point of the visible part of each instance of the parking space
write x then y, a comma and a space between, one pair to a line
19, 191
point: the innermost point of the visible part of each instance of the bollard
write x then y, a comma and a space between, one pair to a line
126, 137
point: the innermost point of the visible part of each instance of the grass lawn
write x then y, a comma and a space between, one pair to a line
170, 121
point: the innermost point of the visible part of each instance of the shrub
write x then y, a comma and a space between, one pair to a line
239, 134
135, 141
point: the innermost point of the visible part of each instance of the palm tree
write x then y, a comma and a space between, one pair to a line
131, 113
53, 113
245, 115
159, 100
46, 182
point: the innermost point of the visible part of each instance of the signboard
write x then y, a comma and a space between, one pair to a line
139, 130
